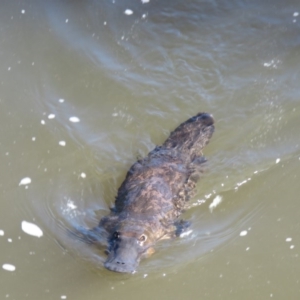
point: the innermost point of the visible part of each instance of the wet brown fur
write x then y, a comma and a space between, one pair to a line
156, 188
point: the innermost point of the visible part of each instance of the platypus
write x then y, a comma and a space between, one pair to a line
154, 194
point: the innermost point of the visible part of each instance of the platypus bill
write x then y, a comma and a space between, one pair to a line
154, 194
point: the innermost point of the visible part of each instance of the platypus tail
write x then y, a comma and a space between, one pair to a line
191, 136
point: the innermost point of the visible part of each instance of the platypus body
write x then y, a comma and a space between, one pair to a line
154, 194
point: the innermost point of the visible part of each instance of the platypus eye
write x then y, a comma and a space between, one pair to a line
116, 235
142, 238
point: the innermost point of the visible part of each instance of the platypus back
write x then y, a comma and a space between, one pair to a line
190, 137
154, 194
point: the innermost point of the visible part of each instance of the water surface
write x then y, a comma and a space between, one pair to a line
87, 87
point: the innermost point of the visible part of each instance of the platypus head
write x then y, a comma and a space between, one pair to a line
127, 245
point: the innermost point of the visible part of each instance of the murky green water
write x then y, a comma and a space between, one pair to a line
130, 72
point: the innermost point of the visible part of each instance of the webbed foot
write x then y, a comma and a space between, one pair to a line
181, 227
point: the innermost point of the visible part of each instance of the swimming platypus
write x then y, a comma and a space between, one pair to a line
154, 194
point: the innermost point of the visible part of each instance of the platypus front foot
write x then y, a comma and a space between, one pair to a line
181, 227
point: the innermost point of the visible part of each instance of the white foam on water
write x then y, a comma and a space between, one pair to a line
71, 205
74, 119
31, 229
242, 182
186, 233
8, 267
243, 233
217, 200
128, 12
25, 181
